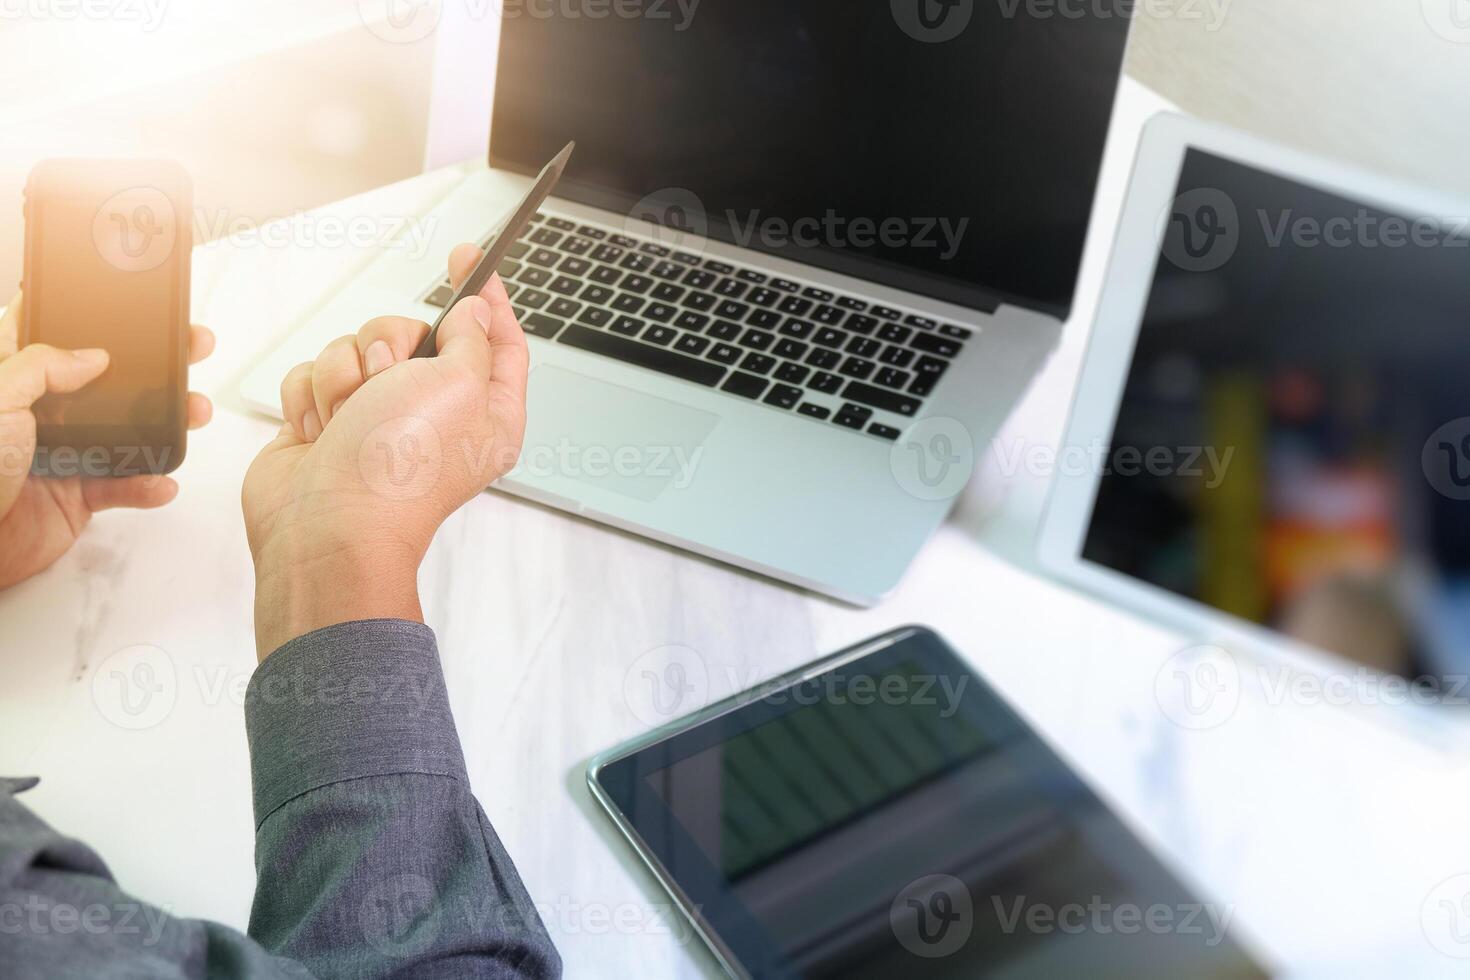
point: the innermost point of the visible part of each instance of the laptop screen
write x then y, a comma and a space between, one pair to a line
1293, 442
945, 147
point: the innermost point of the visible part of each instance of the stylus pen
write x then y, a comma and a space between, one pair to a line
495, 254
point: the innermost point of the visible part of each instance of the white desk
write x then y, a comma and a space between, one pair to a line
1327, 834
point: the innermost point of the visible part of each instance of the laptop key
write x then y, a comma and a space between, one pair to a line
541, 325
762, 296
750, 275
815, 411
543, 257
732, 310
508, 268
623, 241
724, 330
942, 346
864, 347
440, 297
885, 312
783, 396
605, 274
719, 268
595, 316
667, 269
894, 334
561, 223
785, 285
857, 367
883, 431
757, 339
800, 329
661, 335
795, 305
861, 323
667, 292
820, 295
889, 401
829, 315
636, 262
745, 385
597, 294
758, 363
596, 234
576, 246
827, 337
628, 326
790, 349
897, 356
700, 301
545, 236
535, 277
958, 333
792, 373
691, 321
533, 299
692, 344
821, 357
891, 378
573, 266
731, 288
565, 285
654, 249
853, 416
922, 322
765, 319
826, 383
849, 303
627, 303
607, 253
659, 312
688, 258
699, 279
724, 354
563, 307
659, 359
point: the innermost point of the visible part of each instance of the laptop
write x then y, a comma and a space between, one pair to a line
1270, 444
804, 260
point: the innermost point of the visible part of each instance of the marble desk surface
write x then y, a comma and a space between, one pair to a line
1334, 837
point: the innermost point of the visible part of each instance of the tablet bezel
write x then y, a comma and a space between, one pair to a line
1108, 357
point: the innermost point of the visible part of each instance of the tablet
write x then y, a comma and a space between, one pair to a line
882, 813
1270, 444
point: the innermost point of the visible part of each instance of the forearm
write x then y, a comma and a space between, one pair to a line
373, 857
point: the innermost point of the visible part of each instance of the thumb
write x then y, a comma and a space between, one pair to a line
462, 337
41, 368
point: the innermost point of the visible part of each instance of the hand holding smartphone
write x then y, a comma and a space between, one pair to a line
107, 262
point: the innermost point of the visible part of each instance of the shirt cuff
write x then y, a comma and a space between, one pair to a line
346, 702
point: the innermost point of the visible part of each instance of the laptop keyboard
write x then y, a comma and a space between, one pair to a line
794, 347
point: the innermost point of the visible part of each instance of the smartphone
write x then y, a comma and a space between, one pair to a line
107, 259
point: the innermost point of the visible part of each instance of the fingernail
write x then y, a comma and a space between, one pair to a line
482, 313
90, 355
311, 425
378, 357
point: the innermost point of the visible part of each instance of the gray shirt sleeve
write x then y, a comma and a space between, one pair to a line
373, 858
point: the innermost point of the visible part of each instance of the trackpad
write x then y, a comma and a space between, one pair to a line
609, 436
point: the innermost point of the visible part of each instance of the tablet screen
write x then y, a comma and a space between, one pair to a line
1293, 442
892, 818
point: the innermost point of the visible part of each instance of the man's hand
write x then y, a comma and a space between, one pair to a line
377, 450
40, 518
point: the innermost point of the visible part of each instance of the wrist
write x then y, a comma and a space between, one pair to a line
313, 581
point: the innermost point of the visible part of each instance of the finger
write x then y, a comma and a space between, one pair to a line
10, 328
462, 262
387, 340
141, 492
201, 343
511, 360
462, 335
201, 410
298, 405
40, 368
335, 376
